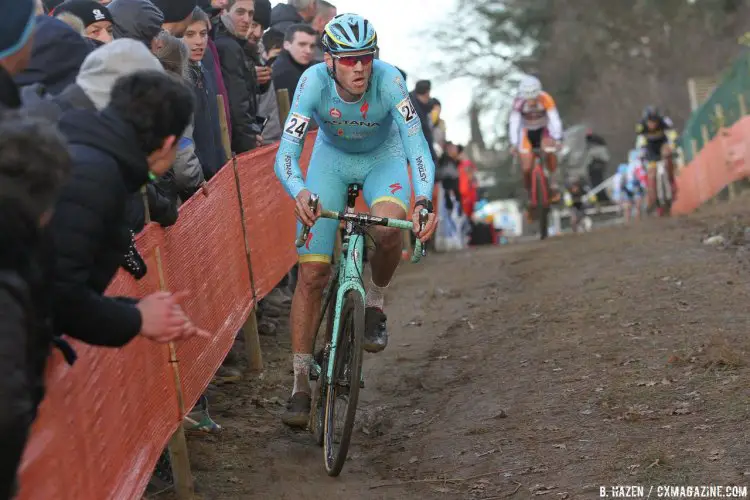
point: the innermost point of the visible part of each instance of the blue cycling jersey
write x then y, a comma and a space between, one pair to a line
361, 127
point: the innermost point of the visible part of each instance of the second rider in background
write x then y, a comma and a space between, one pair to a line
534, 123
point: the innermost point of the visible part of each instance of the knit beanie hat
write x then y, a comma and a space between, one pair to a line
137, 19
175, 10
263, 13
16, 25
88, 11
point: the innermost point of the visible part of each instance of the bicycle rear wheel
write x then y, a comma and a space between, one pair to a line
343, 392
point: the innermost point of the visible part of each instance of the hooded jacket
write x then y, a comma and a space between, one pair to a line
56, 56
241, 81
89, 228
137, 19
21, 346
10, 98
207, 133
283, 16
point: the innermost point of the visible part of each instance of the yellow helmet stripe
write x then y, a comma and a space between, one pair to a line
336, 39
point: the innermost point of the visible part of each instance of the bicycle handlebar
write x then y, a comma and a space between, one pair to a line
369, 220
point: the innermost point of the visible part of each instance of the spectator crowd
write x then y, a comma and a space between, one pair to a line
113, 114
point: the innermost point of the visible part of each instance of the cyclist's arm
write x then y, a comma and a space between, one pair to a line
554, 123
514, 128
410, 128
294, 131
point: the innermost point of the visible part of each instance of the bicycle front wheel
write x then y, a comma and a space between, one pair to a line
343, 391
542, 200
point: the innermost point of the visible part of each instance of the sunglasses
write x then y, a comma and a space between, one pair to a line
351, 61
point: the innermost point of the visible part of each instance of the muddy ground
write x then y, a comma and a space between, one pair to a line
550, 368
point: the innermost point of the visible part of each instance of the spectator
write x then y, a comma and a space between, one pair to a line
467, 183
177, 15
268, 106
92, 92
420, 97
213, 7
325, 12
16, 41
137, 19
51, 5
207, 133
447, 174
33, 165
56, 56
238, 71
273, 44
114, 152
299, 45
74, 22
39, 8
97, 20
438, 127
283, 16
188, 172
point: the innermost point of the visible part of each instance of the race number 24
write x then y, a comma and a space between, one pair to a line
406, 108
296, 126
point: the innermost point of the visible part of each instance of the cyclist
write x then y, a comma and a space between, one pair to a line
656, 138
631, 189
534, 122
368, 129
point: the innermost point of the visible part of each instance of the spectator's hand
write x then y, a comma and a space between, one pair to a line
204, 188
162, 318
302, 209
264, 74
259, 141
429, 228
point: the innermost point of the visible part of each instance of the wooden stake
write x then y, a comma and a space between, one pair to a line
283, 99
226, 141
250, 329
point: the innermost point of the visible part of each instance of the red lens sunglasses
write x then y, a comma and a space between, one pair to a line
351, 61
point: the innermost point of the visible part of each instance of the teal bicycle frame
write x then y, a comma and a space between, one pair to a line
349, 299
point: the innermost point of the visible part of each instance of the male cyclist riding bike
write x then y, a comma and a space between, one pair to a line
656, 138
534, 123
368, 129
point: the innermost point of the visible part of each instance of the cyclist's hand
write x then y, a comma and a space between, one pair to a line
429, 227
302, 209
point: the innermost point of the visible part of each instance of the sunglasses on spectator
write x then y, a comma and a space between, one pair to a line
351, 61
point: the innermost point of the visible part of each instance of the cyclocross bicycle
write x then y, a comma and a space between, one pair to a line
338, 366
539, 202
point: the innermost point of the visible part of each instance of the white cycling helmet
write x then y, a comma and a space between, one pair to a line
530, 87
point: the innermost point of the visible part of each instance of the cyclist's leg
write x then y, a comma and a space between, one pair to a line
666, 154
388, 193
527, 159
551, 158
324, 180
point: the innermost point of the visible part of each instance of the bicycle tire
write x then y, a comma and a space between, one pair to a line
317, 415
348, 355
541, 209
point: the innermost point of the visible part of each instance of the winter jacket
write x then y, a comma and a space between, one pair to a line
10, 97
90, 230
57, 54
241, 82
283, 16
207, 133
162, 193
287, 73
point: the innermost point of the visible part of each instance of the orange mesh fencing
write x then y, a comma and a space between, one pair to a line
106, 419
269, 215
205, 255
723, 160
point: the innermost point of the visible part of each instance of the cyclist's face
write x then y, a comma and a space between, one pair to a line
652, 124
353, 71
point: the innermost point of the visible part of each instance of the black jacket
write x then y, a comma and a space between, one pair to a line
56, 56
283, 16
162, 193
22, 350
424, 116
287, 72
10, 97
90, 230
207, 131
241, 82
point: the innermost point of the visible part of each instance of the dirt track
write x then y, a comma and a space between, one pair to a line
617, 357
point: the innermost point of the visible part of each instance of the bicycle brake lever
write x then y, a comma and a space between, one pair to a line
423, 218
313, 204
